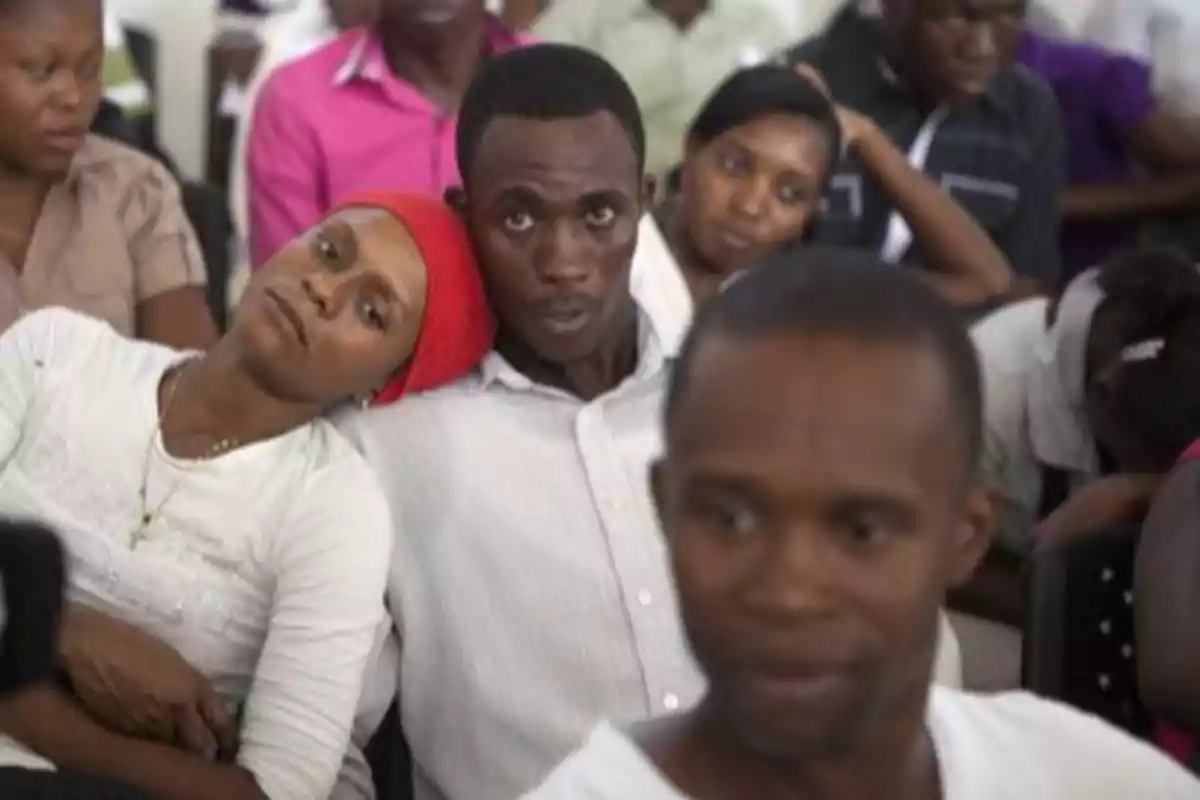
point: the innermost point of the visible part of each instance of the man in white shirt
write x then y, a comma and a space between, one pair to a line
819, 498
531, 586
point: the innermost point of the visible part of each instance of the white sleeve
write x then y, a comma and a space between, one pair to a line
379, 690
1123, 26
331, 559
27, 351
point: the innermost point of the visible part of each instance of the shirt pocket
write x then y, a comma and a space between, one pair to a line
992, 202
843, 212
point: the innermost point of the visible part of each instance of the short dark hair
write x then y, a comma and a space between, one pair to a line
546, 82
824, 291
755, 92
1152, 295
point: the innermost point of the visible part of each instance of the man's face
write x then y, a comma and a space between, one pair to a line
953, 48
553, 212
817, 499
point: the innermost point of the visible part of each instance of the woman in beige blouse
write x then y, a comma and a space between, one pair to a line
85, 222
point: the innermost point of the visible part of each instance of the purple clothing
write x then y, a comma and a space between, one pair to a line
1102, 98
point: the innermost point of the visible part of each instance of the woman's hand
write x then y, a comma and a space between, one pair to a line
855, 126
136, 685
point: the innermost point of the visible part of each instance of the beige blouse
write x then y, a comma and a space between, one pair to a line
113, 234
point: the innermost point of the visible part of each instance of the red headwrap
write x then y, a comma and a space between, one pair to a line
458, 327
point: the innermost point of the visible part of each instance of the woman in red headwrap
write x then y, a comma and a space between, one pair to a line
204, 500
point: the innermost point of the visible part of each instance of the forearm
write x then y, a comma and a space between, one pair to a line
1131, 200
1099, 507
971, 269
178, 318
52, 725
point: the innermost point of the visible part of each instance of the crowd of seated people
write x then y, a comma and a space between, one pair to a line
626, 402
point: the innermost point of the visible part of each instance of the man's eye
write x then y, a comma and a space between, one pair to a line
518, 221
601, 217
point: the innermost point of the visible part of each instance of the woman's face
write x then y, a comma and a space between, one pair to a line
336, 312
753, 189
51, 55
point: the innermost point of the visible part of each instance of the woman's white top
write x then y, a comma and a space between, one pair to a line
999, 747
265, 568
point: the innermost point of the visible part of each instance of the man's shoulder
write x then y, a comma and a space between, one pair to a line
1027, 95
1043, 743
314, 69
415, 420
609, 766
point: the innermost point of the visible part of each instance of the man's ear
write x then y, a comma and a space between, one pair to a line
456, 198
649, 187
975, 531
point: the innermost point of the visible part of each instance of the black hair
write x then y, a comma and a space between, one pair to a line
546, 82
760, 91
1152, 297
816, 291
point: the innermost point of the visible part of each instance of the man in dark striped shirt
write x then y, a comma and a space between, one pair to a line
931, 74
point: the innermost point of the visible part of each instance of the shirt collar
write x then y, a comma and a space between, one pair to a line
87, 157
660, 336
366, 61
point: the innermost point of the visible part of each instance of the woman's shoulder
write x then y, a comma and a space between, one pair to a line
107, 168
60, 331
334, 471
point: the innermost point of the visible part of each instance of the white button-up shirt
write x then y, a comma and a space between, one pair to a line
530, 585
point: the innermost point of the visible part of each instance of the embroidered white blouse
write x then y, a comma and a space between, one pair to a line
265, 567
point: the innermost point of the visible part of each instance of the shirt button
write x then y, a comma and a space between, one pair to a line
645, 598
671, 703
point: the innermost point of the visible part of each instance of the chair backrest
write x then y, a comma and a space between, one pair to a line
1079, 642
143, 49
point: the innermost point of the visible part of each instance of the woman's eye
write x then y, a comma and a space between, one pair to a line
518, 221
601, 217
791, 194
327, 250
373, 316
38, 72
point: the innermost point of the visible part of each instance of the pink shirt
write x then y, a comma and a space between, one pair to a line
337, 122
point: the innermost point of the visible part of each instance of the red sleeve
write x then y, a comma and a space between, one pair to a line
1192, 453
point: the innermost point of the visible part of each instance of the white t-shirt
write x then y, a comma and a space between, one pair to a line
989, 747
265, 567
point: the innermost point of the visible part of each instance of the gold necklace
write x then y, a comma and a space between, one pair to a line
148, 516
